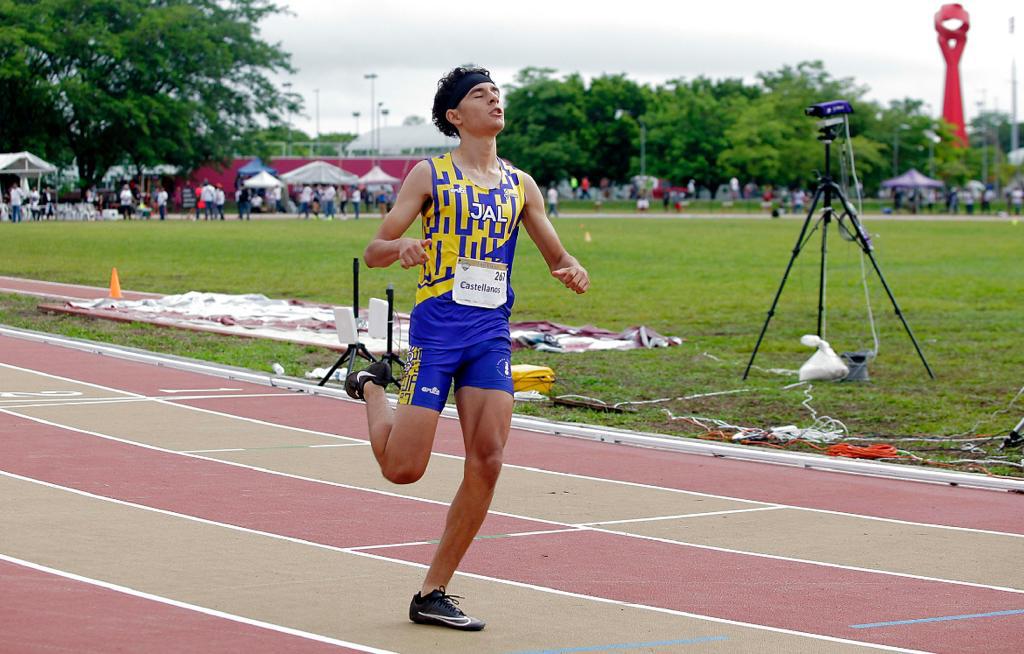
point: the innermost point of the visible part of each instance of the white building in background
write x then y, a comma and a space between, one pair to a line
401, 141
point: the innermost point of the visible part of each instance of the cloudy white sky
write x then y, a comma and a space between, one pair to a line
890, 46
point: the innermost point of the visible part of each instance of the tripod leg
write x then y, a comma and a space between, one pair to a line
822, 276
868, 250
337, 364
785, 275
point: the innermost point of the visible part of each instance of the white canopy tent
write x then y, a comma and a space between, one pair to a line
262, 180
25, 165
319, 172
377, 177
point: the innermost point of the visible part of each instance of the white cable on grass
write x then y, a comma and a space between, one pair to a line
860, 213
680, 399
867, 301
824, 428
924, 439
993, 415
774, 371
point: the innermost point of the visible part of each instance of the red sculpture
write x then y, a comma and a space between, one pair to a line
952, 42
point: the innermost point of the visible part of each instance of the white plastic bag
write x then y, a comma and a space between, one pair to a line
824, 365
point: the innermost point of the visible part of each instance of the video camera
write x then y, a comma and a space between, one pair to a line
826, 109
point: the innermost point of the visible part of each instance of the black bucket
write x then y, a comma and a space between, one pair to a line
857, 362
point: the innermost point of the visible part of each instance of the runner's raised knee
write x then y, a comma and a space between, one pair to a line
402, 473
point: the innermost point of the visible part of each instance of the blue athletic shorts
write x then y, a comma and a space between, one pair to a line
429, 371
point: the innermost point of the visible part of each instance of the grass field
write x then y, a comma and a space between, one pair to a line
960, 285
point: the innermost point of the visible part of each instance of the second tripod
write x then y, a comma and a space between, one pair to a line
826, 190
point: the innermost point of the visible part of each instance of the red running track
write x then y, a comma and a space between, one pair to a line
792, 595
44, 612
939, 504
63, 291
234, 495
786, 594
740, 587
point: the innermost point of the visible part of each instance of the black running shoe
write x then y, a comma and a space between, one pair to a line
379, 373
439, 608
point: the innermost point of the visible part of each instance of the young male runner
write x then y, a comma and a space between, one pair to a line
472, 204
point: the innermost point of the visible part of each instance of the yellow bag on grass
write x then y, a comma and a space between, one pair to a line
532, 378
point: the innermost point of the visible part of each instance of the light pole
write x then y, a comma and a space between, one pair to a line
896, 148
1014, 137
385, 112
984, 142
933, 139
376, 140
643, 149
373, 107
316, 93
619, 113
288, 121
356, 115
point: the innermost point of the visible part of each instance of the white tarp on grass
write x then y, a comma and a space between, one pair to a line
303, 322
250, 315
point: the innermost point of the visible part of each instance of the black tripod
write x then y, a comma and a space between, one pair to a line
357, 349
825, 191
1016, 437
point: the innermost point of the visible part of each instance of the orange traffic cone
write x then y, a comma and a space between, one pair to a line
115, 285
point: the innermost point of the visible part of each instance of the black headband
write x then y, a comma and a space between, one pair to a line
464, 86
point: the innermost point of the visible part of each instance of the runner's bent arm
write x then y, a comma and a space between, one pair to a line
388, 245
563, 266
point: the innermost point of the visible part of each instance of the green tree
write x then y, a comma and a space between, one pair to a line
609, 134
28, 116
772, 141
688, 127
543, 131
146, 82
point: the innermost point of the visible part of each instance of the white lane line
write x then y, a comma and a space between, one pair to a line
172, 402
256, 421
276, 473
102, 291
54, 296
556, 523
515, 534
272, 447
545, 589
20, 396
634, 484
192, 607
128, 400
70, 380
675, 517
197, 390
574, 475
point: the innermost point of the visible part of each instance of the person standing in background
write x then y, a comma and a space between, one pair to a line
328, 195
161, 202
219, 198
357, 198
553, 201
17, 198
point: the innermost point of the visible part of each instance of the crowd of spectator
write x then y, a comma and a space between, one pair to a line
208, 201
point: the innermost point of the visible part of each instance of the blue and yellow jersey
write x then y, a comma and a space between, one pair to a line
463, 219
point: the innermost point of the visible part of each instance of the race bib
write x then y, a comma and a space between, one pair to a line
480, 283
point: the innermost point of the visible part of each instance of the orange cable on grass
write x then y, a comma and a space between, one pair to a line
876, 451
